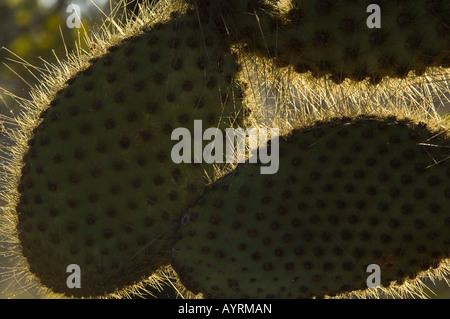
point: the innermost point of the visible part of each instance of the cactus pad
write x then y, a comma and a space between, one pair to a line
98, 186
349, 193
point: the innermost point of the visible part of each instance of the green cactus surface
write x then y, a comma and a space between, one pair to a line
342, 39
98, 187
363, 177
349, 193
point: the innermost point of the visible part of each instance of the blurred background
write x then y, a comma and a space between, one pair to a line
36, 30
32, 31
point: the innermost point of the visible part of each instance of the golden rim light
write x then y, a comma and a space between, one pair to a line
277, 98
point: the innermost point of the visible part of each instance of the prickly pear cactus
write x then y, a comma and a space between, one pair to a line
92, 182
342, 39
98, 187
350, 192
329, 37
